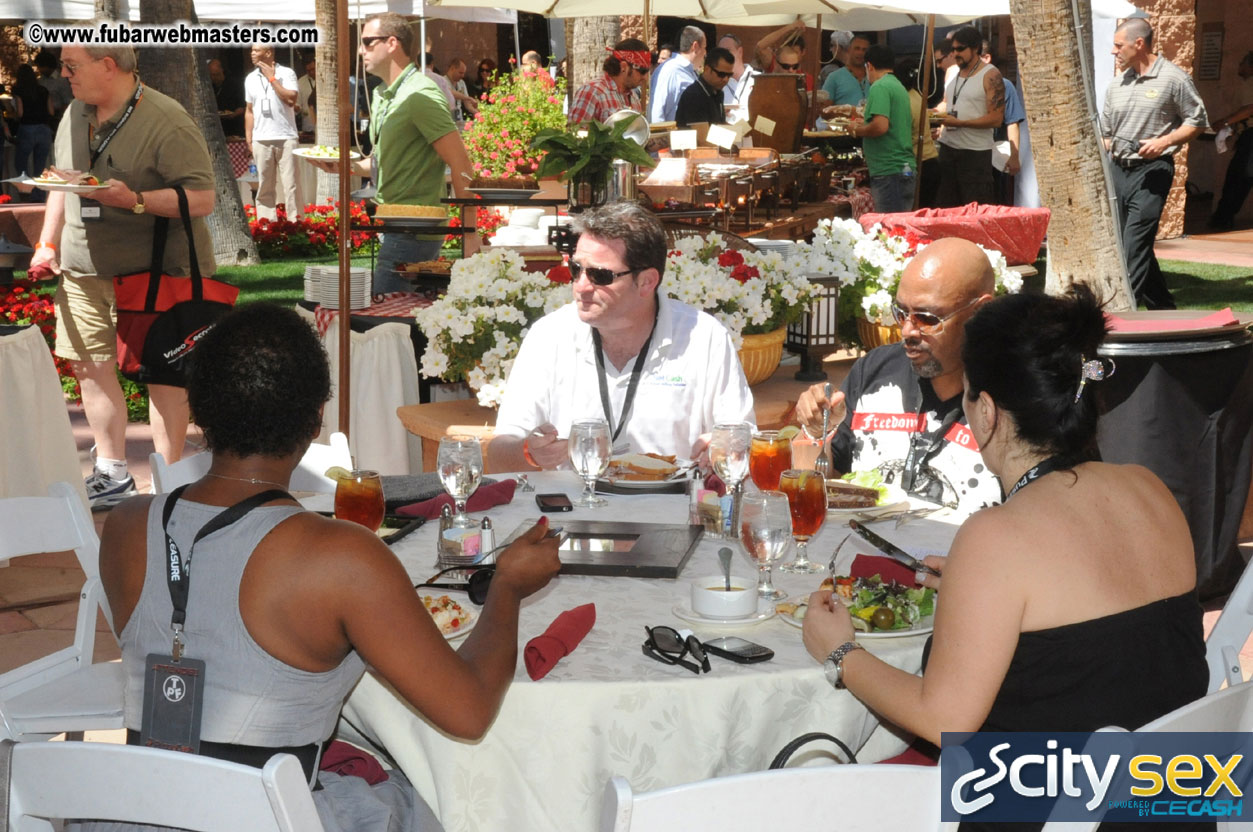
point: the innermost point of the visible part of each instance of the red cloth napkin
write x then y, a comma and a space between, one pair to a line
715, 484
562, 636
864, 566
350, 761
1148, 322
488, 496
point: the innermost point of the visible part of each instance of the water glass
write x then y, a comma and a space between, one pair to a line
460, 466
589, 454
765, 529
728, 452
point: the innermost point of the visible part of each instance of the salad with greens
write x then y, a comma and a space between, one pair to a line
876, 605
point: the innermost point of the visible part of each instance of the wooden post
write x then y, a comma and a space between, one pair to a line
346, 116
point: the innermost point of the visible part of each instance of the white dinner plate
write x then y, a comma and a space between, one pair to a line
63, 186
307, 153
840, 515
925, 626
684, 468
764, 613
461, 598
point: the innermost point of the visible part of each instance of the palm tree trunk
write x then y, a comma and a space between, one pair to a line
1066, 147
591, 36
183, 74
328, 92
108, 10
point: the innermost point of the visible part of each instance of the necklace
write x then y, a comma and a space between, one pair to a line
253, 480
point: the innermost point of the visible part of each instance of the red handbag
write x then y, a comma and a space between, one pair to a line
161, 318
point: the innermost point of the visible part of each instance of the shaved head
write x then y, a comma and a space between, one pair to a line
957, 268
946, 278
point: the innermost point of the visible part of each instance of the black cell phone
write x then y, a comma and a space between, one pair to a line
738, 650
553, 502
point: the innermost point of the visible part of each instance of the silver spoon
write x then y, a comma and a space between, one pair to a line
724, 557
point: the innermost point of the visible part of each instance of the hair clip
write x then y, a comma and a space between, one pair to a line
1093, 370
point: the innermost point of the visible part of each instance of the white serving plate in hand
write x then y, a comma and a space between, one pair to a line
307, 153
925, 626
67, 187
684, 611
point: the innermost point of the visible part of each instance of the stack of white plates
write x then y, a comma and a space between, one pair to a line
784, 247
322, 286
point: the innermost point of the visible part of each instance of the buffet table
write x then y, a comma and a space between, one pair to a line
607, 708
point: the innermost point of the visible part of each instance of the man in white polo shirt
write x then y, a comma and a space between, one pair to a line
659, 372
270, 93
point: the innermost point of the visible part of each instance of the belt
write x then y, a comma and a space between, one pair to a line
1132, 164
254, 755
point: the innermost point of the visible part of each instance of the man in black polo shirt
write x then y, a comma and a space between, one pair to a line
702, 102
1151, 111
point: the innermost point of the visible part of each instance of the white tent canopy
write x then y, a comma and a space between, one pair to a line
872, 16
249, 10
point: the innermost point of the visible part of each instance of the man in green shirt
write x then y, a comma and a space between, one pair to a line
887, 143
414, 137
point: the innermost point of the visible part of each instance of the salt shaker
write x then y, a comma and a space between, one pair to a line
487, 540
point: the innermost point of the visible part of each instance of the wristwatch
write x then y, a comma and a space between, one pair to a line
138, 207
833, 667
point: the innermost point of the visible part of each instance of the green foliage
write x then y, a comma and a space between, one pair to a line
569, 155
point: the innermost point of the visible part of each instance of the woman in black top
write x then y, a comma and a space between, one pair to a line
482, 80
1069, 607
34, 130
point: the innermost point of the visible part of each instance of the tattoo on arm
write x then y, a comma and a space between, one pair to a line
994, 87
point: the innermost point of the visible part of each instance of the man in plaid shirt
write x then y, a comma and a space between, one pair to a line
626, 69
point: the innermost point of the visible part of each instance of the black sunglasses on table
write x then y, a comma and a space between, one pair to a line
476, 585
599, 276
666, 645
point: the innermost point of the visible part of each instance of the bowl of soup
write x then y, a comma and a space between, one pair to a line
712, 599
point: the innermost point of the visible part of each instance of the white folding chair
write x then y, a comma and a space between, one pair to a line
1231, 631
1230, 709
105, 781
310, 474
862, 797
65, 691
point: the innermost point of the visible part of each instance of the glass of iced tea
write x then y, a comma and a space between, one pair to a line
807, 496
359, 498
768, 457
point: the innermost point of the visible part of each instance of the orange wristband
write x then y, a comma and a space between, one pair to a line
526, 454
42, 244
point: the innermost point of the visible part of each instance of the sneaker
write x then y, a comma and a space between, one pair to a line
105, 492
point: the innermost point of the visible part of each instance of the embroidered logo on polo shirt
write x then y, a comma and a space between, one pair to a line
1150, 93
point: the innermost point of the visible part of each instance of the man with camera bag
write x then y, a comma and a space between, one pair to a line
138, 143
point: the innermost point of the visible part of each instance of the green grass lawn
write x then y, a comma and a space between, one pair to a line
1194, 285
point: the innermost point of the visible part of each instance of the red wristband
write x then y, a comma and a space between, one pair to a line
526, 454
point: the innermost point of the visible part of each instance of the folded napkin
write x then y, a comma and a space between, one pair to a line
715, 484
864, 566
562, 636
1157, 322
487, 496
350, 761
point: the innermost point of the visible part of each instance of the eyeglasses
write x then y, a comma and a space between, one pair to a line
959, 48
70, 69
723, 75
789, 67
666, 645
476, 585
369, 41
927, 322
601, 277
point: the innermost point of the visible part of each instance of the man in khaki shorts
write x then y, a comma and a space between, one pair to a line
140, 143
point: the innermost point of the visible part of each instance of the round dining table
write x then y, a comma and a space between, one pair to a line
607, 708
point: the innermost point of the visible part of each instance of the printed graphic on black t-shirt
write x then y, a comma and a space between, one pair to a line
889, 407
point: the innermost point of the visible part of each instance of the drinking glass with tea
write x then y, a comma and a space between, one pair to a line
769, 456
359, 498
806, 492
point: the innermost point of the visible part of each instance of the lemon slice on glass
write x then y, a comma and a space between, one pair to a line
335, 472
789, 432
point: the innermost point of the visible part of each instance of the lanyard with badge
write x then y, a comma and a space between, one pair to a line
266, 109
174, 684
92, 212
632, 385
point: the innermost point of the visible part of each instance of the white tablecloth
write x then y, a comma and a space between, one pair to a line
608, 709
36, 441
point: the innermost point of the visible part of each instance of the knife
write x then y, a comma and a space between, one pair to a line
891, 549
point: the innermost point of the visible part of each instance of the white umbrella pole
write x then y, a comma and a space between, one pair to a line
517, 42
422, 34
924, 89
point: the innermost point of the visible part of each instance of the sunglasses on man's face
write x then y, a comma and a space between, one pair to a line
721, 74
369, 41
666, 645
599, 276
928, 323
476, 585
789, 67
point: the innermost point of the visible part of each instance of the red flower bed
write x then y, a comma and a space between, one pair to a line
316, 234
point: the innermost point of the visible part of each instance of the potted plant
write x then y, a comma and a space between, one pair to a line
585, 158
498, 139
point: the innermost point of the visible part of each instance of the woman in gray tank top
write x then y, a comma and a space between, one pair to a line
288, 607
